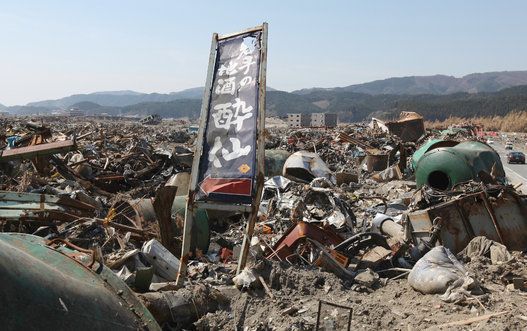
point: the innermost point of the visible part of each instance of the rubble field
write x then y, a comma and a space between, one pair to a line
380, 225
393, 305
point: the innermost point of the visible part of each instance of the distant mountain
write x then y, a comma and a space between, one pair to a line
92, 108
121, 98
123, 92
435, 97
176, 108
437, 84
280, 103
86, 105
2, 107
105, 99
191, 93
354, 107
28, 110
350, 106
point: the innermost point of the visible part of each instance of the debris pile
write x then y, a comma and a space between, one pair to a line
357, 225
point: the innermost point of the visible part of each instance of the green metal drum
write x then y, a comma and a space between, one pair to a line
444, 167
56, 288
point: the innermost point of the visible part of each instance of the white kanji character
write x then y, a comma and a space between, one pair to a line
246, 81
237, 150
246, 64
239, 105
226, 86
245, 50
224, 116
212, 154
229, 69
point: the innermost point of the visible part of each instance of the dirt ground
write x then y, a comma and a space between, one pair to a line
393, 306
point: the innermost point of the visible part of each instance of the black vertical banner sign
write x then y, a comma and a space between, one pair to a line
227, 165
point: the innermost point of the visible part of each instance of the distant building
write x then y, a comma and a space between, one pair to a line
314, 120
331, 120
4, 113
317, 120
305, 120
293, 120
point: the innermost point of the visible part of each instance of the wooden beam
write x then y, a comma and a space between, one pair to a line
163, 209
38, 150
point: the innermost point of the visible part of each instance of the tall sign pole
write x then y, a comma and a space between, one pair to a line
228, 167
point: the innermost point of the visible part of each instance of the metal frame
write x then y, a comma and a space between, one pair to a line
321, 302
249, 30
192, 205
260, 154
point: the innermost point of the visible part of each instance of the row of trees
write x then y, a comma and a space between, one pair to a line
515, 121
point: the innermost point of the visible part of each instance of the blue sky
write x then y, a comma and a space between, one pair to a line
50, 49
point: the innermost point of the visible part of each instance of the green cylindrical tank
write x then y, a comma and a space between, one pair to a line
444, 167
55, 288
200, 231
428, 146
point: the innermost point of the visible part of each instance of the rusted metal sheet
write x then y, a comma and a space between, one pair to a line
376, 162
346, 178
409, 127
285, 247
511, 215
502, 219
38, 150
51, 287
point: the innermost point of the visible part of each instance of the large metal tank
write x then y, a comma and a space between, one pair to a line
428, 146
52, 287
444, 167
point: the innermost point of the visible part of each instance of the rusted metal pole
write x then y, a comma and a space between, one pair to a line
492, 216
198, 149
260, 156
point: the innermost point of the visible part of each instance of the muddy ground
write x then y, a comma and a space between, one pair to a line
389, 305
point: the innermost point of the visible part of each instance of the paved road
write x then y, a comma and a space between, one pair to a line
517, 173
